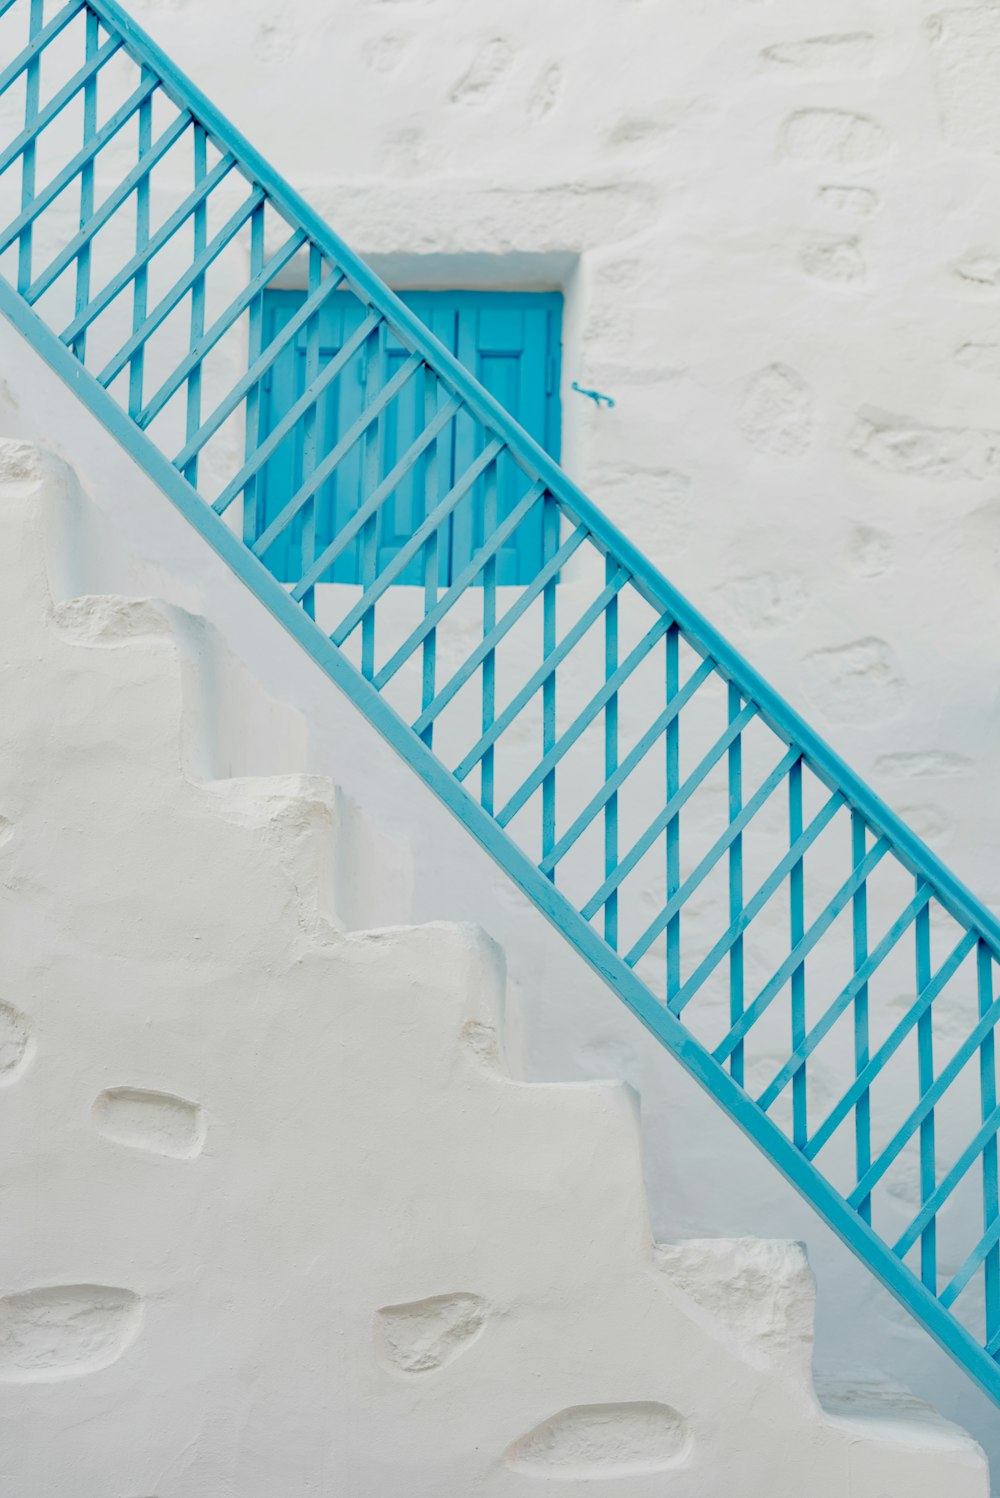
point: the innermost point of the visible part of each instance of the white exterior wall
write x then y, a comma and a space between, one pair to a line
781, 256
277, 1218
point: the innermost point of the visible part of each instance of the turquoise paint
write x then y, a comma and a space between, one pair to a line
511, 343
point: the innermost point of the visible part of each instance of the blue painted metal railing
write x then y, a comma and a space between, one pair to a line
806, 957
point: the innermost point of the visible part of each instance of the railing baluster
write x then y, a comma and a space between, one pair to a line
550, 540
988, 1102
736, 969
488, 673
673, 850
199, 145
376, 359
431, 488
31, 99
141, 282
251, 518
796, 909
925, 1060
311, 427
610, 766
859, 934
79, 347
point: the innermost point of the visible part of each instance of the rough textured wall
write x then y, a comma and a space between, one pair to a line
277, 1219
781, 249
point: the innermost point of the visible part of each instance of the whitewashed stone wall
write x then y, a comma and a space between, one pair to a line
779, 238
277, 1219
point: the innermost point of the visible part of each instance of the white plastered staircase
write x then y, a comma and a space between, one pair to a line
277, 1221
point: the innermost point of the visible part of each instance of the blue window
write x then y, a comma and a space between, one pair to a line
511, 343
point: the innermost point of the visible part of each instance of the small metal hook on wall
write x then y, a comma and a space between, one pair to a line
594, 395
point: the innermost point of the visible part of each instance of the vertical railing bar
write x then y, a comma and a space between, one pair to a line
673, 826
79, 347
311, 431
432, 485
32, 91
199, 147
991, 1186
252, 521
489, 667
736, 966
859, 914
610, 763
925, 1063
140, 284
796, 911
550, 541
372, 463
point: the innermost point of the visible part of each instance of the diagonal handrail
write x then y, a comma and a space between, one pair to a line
272, 228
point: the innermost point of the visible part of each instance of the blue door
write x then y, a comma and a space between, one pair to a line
509, 340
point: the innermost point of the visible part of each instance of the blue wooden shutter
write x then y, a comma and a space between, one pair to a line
509, 340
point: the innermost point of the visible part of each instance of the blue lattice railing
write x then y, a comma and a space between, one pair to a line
804, 955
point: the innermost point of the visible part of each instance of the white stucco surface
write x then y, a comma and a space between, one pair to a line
781, 255
277, 1216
